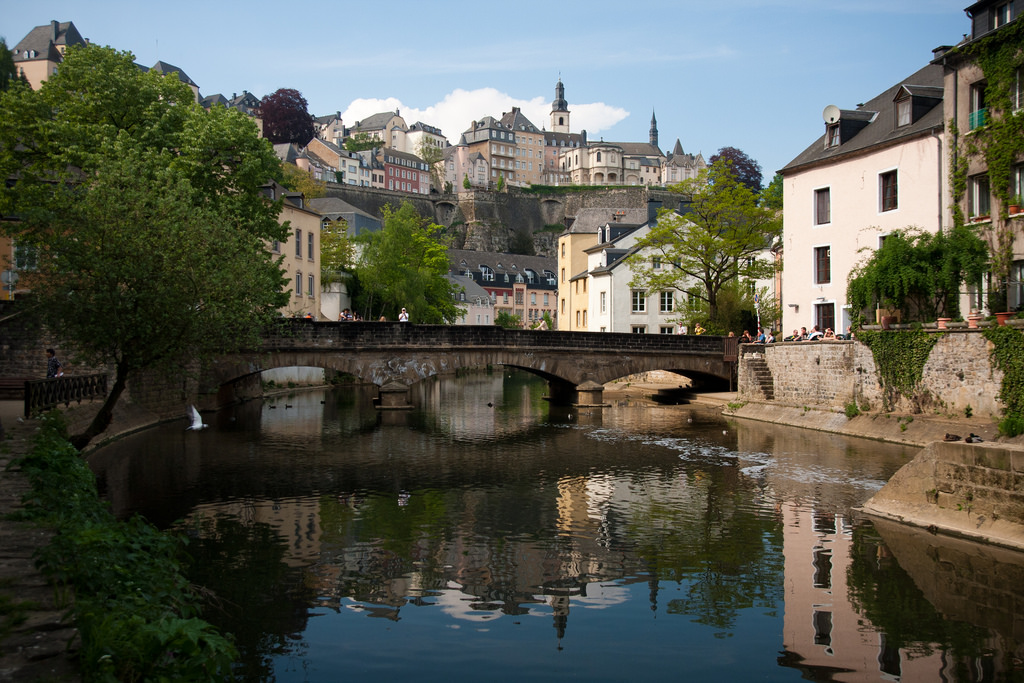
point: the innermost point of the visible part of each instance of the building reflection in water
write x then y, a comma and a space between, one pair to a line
560, 536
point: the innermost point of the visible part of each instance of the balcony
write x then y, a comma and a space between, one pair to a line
977, 118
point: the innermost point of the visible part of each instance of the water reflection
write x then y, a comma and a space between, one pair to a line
488, 532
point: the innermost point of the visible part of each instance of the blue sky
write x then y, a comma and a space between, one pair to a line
752, 74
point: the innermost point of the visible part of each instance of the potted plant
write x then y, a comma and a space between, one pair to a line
1014, 207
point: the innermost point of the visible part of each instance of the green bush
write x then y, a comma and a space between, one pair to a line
852, 410
135, 610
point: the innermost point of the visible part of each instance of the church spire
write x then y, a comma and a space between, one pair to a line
560, 110
654, 129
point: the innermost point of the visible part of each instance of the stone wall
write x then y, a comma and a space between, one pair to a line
970, 489
832, 374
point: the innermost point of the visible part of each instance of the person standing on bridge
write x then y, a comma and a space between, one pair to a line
54, 368
403, 317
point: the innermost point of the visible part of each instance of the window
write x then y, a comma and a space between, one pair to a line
1017, 182
656, 263
604, 302
832, 135
903, 112
666, 329
977, 116
822, 266
298, 284
639, 329
546, 300
533, 298
639, 301
298, 243
825, 316
519, 297
486, 274
1001, 15
667, 302
978, 196
822, 206
311, 288
887, 188
309, 245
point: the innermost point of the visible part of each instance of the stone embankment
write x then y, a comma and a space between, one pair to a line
966, 482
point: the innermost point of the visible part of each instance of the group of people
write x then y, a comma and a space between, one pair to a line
816, 334
764, 336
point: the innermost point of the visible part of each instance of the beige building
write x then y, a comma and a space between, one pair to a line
39, 53
300, 253
529, 149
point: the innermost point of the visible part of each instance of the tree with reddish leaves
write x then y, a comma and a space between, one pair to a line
285, 117
746, 170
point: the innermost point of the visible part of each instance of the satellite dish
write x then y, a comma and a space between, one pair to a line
830, 114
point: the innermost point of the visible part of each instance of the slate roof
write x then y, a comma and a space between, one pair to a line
879, 113
517, 122
589, 220
42, 41
375, 121
500, 263
638, 148
332, 207
474, 292
165, 68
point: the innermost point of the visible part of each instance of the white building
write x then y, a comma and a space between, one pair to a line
876, 169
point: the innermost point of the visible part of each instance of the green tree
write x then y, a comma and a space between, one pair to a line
771, 196
146, 213
433, 156
919, 272
720, 240
404, 266
301, 180
500, 187
8, 71
508, 321
337, 253
361, 142
465, 182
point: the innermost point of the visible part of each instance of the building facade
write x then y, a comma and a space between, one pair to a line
875, 169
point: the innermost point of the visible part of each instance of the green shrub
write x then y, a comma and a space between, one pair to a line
135, 610
852, 410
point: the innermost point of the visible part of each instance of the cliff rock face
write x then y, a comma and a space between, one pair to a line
512, 220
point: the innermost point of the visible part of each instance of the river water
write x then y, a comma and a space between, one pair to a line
487, 535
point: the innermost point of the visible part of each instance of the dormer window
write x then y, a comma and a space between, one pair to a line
486, 274
904, 110
832, 135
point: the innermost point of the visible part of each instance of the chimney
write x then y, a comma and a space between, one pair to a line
54, 30
653, 205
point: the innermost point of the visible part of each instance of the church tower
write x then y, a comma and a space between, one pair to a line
560, 110
654, 130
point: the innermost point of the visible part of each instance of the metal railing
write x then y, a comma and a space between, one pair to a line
44, 394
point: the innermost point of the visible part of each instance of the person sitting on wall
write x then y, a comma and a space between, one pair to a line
815, 334
793, 337
760, 336
745, 338
829, 334
769, 337
802, 335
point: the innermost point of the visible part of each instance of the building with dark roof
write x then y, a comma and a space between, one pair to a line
38, 54
876, 168
523, 286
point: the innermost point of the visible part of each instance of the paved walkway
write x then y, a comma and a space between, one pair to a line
42, 646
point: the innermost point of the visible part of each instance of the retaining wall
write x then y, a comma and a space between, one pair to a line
831, 374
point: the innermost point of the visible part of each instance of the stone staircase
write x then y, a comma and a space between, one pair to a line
761, 375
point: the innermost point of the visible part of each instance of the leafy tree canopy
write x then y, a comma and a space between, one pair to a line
360, 142
146, 213
720, 240
301, 180
919, 272
433, 156
8, 71
771, 196
286, 117
404, 266
747, 170
337, 252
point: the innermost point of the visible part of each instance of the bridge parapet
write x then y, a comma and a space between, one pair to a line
306, 334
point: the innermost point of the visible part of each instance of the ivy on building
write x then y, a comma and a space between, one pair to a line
1008, 355
900, 356
1000, 141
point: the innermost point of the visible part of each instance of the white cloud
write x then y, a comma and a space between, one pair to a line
459, 108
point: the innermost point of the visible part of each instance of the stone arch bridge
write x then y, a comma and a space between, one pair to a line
395, 356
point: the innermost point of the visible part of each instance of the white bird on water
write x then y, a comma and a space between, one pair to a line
197, 420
